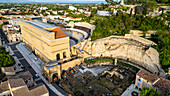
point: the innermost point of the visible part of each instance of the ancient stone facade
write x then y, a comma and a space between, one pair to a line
49, 71
129, 47
45, 42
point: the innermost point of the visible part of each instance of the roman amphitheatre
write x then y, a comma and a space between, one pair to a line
130, 48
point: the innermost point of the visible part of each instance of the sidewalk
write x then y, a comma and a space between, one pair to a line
129, 90
18, 68
35, 65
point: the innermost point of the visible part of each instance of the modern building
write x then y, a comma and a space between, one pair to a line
146, 79
48, 42
55, 45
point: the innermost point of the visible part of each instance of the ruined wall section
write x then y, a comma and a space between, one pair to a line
129, 47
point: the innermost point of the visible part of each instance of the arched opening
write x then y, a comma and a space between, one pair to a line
17, 39
64, 74
55, 77
64, 54
71, 70
58, 57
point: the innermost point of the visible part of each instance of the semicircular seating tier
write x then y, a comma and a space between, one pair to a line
80, 31
72, 42
75, 36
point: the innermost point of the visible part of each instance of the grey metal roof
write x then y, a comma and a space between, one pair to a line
40, 24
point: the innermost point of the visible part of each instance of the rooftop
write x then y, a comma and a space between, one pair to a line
48, 28
8, 69
4, 86
163, 85
16, 83
32, 16
38, 90
147, 76
24, 75
40, 24
58, 33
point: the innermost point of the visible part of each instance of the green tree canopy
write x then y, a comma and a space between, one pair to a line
146, 91
5, 58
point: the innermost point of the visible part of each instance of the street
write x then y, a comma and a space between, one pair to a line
24, 62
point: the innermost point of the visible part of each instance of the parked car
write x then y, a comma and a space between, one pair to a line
29, 67
19, 64
36, 75
35, 58
22, 67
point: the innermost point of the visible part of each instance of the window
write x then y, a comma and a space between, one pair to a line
146, 83
138, 84
156, 89
58, 57
139, 79
64, 54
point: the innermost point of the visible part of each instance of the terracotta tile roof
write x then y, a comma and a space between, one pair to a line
24, 75
163, 85
4, 86
147, 76
22, 92
16, 83
38, 90
8, 69
58, 33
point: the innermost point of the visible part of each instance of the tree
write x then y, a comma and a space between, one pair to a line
93, 12
5, 58
109, 1
149, 6
163, 42
136, 10
146, 91
162, 11
145, 28
167, 94
131, 12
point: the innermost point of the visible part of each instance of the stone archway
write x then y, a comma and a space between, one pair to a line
58, 56
64, 55
70, 70
55, 77
63, 74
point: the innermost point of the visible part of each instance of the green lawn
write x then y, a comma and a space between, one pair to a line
98, 60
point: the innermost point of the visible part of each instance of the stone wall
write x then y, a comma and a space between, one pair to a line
50, 69
130, 47
140, 33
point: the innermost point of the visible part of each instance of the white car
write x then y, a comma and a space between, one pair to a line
36, 75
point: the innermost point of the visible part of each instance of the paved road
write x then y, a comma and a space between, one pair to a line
24, 62
3, 37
